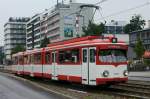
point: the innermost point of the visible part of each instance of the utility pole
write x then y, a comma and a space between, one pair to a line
89, 6
62, 1
78, 15
57, 3
77, 25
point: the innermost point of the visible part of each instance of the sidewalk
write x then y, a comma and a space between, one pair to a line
142, 74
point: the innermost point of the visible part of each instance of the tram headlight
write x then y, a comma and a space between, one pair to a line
114, 40
125, 73
106, 73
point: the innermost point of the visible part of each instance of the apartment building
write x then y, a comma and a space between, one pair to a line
33, 32
14, 34
58, 23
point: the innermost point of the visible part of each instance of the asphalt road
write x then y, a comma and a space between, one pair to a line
14, 89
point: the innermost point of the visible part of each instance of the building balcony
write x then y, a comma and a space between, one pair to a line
54, 27
29, 42
37, 46
37, 40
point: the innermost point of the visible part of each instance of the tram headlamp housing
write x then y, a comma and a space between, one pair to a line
126, 73
114, 40
105, 73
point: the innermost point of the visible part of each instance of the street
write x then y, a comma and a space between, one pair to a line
13, 89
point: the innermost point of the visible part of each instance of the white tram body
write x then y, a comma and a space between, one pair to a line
88, 60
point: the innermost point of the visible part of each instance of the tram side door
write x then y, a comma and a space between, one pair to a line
54, 68
85, 66
88, 66
92, 66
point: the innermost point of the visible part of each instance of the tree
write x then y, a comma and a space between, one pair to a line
136, 23
18, 48
44, 42
139, 49
94, 29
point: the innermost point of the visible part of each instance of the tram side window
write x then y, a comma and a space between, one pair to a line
15, 60
48, 58
37, 58
92, 55
53, 57
69, 56
25, 59
84, 55
32, 58
20, 60
29, 59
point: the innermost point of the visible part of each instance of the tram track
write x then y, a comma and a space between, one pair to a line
132, 93
127, 90
135, 90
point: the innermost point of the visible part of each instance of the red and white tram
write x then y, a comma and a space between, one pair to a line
88, 60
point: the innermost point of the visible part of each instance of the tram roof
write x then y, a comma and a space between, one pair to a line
17, 54
88, 40
82, 41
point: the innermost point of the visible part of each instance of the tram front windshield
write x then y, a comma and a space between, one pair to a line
112, 55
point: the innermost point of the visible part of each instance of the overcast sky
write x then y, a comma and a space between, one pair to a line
22, 8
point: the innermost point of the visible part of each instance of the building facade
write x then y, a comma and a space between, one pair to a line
144, 35
14, 34
115, 27
33, 32
58, 23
